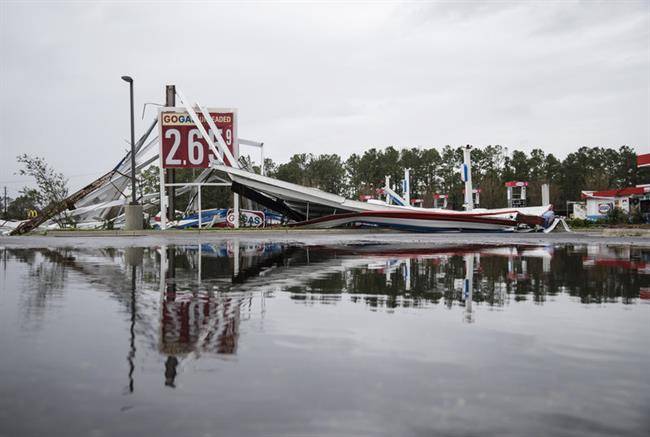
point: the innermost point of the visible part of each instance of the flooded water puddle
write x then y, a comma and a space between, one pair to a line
270, 339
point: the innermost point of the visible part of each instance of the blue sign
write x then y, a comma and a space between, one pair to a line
464, 172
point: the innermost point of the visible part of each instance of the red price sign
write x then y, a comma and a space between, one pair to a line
183, 146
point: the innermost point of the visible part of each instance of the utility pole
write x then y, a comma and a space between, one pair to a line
5, 203
170, 176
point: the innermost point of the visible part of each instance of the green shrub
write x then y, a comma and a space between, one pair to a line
616, 216
636, 217
580, 223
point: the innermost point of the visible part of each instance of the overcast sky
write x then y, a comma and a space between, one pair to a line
326, 77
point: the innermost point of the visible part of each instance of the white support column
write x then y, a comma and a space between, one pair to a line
387, 185
235, 210
163, 198
262, 169
235, 199
407, 186
546, 198
467, 178
198, 187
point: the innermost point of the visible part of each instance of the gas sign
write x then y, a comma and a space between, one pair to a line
604, 208
247, 219
183, 146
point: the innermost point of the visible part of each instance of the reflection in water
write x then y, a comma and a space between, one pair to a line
170, 371
468, 286
199, 319
278, 339
379, 275
131, 355
205, 290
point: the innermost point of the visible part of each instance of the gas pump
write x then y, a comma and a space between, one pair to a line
440, 201
516, 191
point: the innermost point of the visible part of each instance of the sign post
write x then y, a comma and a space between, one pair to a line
170, 176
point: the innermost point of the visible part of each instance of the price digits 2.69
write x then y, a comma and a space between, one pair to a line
196, 146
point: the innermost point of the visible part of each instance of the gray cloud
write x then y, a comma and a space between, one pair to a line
326, 77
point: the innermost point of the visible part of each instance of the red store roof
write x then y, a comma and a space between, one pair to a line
643, 160
623, 192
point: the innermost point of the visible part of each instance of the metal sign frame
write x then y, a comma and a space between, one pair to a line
232, 158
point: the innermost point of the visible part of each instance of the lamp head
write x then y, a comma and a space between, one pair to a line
128, 79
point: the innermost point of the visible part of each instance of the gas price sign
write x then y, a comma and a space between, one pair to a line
183, 146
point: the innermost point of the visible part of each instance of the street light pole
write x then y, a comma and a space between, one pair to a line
132, 211
133, 197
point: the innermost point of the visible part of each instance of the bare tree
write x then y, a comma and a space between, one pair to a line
52, 187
